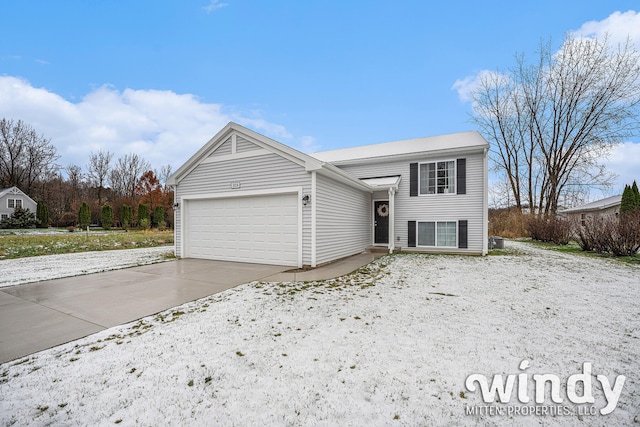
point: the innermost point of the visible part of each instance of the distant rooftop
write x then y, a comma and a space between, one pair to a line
597, 205
451, 141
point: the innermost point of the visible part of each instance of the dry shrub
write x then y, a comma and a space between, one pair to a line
509, 223
549, 229
617, 236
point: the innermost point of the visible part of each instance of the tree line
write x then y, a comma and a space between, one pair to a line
28, 160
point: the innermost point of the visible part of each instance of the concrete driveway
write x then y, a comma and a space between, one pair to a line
41, 315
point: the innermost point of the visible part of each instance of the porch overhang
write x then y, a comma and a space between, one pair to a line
389, 184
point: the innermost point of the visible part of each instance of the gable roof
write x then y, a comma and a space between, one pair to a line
15, 191
326, 162
310, 163
601, 204
449, 143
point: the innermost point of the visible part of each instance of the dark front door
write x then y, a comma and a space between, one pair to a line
381, 222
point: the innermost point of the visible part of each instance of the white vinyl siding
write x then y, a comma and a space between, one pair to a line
244, 145
343, 219
12, 197
436, 207
251, 174
223, 150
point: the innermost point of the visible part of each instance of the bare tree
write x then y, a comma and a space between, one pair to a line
125, 175
163, 175
98, 171
552, 121
75, 179
25, 156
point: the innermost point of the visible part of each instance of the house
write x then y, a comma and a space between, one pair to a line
607, 206
11, 198
245, 197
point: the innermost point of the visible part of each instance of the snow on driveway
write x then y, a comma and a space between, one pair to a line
391, 345
34, 269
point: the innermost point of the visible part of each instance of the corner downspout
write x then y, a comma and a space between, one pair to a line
314, 217
485, 203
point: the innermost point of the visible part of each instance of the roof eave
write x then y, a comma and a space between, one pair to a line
592, 209
412, 155
338, 174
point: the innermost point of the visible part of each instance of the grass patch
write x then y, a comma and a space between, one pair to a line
27, 245
574, 248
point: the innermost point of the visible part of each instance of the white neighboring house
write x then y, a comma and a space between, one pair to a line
245, 197
606, 206
13, 197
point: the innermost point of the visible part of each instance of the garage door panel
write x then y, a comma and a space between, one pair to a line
260, 229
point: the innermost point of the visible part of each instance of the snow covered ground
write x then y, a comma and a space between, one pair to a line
392, 344
33, 269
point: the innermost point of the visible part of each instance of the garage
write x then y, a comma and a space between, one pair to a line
259, 229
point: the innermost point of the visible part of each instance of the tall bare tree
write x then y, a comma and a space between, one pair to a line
98, 171
25, 156
75, 179
551, 122
163, 175
126, 173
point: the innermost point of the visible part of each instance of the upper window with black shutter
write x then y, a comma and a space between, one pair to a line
461, 176
438, 177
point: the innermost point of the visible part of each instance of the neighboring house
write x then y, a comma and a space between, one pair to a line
12, 198
245, 197
607, 206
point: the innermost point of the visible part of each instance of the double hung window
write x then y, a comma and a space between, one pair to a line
438, 177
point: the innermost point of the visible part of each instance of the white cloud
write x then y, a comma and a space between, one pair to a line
625, 162
214, 5
307, 144
465, 87
261, 125
161, 126
618, 26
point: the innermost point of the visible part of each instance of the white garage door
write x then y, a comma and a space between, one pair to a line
258, 229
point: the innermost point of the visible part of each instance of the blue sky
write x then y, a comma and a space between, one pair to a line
161, 77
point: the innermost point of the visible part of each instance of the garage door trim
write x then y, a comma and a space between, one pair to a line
234, 194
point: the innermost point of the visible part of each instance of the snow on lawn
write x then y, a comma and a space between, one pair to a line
34, 269
392, 344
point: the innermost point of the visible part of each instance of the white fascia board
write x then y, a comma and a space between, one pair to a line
391, 182
410, 156
194, 160
275, 146
339, 175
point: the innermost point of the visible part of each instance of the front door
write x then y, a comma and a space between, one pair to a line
381, 222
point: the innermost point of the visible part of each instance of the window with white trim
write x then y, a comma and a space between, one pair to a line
438, 233
14, 203
438, 177
4, 216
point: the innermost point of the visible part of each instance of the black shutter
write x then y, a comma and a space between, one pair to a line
462, 234
413, 179
411, 238
461, 176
